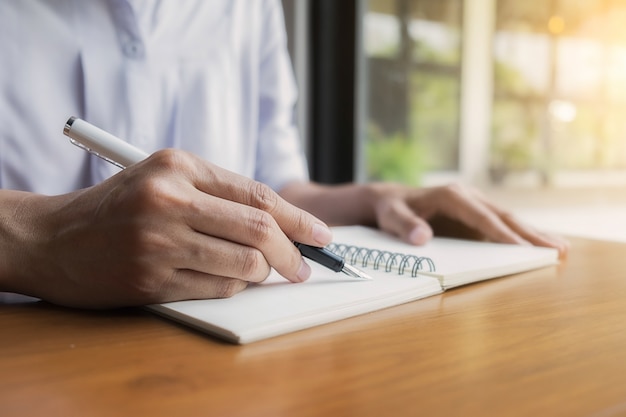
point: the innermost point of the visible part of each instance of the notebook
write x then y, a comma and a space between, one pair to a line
401, 273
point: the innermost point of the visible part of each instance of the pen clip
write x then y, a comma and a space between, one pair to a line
91, 151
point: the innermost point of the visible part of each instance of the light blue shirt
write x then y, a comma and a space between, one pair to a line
212, 77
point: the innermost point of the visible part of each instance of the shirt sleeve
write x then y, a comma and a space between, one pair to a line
280, 158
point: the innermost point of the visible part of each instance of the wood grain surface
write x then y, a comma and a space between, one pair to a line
550, 342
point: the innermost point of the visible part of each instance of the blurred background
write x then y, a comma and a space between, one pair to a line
525, 100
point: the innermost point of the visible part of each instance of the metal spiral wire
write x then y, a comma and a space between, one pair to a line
377, 259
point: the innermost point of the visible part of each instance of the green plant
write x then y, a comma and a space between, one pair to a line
394, 158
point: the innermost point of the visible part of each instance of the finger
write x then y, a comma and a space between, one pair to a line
536, 237
250, 236
190, 285
253, 236
297, 224
257, 229
463, 204
528, 232
397, 218
248, 212
218, 257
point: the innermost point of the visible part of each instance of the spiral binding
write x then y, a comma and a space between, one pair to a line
375, 258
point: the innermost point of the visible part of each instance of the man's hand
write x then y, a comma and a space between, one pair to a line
169, 228
416, 214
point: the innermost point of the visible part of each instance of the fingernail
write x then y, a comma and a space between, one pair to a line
304, 272
322, 234
420, 235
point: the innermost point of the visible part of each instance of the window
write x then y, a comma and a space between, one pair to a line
412, 62
495, 91
560, 87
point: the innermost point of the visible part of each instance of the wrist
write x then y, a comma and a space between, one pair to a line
22, 241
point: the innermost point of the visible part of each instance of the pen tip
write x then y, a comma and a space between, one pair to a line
354, 272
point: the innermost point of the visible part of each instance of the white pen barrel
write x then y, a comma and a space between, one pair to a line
102, 143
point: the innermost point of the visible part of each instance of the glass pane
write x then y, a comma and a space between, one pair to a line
434, 29
616, 73
381, 34
614, 147
588, 57
412, 58
560, 75
434, 118
521, 63
516, 133
594, 138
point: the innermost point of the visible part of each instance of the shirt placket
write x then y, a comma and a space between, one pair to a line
137, 74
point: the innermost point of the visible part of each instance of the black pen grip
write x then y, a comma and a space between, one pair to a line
322, 256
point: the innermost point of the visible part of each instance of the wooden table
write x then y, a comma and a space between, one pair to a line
546, 343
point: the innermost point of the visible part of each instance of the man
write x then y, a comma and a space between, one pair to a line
211, 78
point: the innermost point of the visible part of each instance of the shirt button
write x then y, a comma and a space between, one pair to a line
133, 49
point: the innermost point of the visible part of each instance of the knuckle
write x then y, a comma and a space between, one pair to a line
453, 190
171, 159
384, 206
144, 288
160, 194
389, 207
228, 287
157, 197
483, 222
506, 216
301, 221
260, 226
262, 197
253, 266
153, 189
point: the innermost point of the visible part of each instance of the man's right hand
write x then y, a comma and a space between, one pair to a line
171, 227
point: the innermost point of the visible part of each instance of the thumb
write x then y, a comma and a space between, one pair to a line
396, 217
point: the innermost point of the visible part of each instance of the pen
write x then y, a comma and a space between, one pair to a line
330, 260
122, 154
